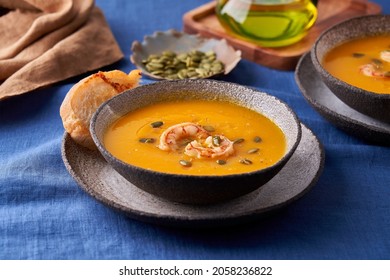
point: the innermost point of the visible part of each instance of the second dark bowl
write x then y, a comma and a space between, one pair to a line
193, 188
367, 102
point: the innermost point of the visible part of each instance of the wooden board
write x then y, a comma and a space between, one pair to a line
203, 21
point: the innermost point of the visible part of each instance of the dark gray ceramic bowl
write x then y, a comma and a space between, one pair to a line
191, 188
364, 101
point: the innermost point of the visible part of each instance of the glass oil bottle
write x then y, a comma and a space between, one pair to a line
267, 23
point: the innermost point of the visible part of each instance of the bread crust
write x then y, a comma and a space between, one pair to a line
83, 99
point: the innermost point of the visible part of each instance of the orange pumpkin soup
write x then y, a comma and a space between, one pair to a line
363, 62
196, 137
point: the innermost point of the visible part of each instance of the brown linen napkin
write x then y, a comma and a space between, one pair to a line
43, 42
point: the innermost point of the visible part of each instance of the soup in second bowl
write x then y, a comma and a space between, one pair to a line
363, 62
196, 137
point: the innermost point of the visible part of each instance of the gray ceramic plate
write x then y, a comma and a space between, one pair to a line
98, 179
334, 110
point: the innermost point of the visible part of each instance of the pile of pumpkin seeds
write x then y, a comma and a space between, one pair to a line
194, 64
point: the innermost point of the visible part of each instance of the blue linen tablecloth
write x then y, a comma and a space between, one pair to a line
44, 214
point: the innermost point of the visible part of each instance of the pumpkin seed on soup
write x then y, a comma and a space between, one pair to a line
246, 161
147, 140
377, 62
358, 55
238, 141
157, 124
185, 163
209, 128
221, 162
217, 140
253, 151
257, 139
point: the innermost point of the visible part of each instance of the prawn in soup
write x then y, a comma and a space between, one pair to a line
196, 137
363, 62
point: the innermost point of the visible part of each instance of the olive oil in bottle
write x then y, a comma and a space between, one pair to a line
268, 23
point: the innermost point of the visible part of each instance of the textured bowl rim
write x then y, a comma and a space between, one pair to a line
287, 155
319, 67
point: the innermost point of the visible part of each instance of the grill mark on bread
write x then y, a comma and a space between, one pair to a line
117, 86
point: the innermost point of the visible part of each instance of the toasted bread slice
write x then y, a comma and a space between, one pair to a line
87, 95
